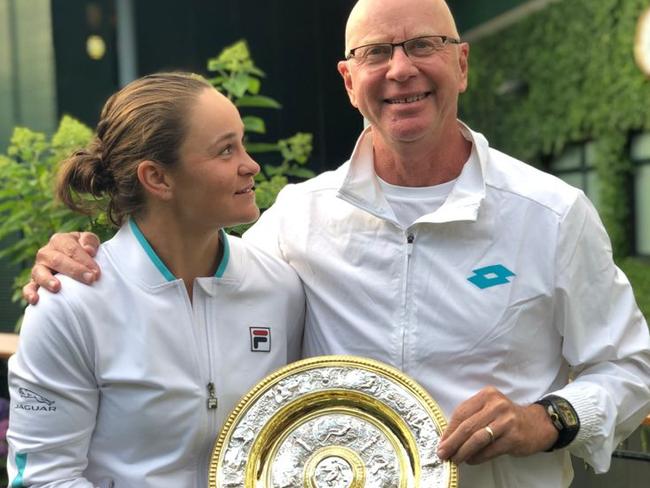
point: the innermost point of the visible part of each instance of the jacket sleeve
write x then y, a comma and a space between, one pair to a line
266, 233
605, 338
54, 399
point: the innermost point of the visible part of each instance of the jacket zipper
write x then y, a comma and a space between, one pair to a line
410, 238
212, 400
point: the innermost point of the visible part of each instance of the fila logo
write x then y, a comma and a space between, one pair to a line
260, 339
490, 276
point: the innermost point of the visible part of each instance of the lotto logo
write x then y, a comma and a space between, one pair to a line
260, 339
490, 276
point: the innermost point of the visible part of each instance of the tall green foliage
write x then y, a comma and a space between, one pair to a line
576, 60
29, 210
27, 204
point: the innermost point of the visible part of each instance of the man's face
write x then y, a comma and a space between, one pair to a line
405, 99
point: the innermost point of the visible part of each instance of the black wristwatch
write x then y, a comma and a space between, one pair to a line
564, 418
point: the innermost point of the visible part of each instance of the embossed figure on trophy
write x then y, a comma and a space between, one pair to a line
397, 401
328, 430
286, 389
290, 474
383, 471
417, 420
333, 472
377, 463
429, 441
234, 459
232, 484
306, 447
366, 382
317, 378
289, 481
372, 441
431, 461
243, 436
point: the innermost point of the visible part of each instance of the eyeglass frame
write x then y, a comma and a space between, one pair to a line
445, 41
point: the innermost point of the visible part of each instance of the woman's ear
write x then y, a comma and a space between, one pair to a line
155, 179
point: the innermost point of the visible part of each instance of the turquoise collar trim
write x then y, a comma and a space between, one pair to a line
221, 269
164, 270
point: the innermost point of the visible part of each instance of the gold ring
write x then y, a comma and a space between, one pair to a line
490, 432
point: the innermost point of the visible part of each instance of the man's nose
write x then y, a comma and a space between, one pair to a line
400, 66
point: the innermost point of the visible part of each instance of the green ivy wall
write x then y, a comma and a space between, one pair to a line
470, 13
576, 61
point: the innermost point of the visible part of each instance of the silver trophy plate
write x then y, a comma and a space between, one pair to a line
333, 422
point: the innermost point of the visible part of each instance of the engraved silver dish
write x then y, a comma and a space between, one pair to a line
333, 422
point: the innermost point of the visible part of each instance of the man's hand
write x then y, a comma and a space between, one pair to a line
489, 425
70, 254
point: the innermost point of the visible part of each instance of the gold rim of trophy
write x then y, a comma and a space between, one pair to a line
310, 405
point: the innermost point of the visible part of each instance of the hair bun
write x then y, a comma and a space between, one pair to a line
90, 163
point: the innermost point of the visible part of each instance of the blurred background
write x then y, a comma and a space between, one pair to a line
65, 57
561, 84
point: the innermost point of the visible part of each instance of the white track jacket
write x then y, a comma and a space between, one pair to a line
509, 283
109, 386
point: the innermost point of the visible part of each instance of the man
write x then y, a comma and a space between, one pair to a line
486, 280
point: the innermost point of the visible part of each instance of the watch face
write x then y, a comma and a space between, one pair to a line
642, 42
565, 411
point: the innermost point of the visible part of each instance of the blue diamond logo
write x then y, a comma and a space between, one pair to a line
490, 276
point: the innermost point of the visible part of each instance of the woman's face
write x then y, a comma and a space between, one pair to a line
213, 183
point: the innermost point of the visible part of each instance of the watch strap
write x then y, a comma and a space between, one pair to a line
564, 419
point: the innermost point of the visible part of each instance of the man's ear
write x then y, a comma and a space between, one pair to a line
344, 69
463, 63
155, 179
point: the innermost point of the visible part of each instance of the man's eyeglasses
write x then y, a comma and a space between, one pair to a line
418, 47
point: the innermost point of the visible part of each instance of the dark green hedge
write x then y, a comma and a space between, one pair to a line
576, 61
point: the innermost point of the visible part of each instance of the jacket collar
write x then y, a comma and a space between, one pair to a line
361, 187
132, 254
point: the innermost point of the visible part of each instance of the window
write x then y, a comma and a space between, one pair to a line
576, 166
640, 154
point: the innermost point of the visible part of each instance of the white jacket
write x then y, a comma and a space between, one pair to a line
109, 385
510, 283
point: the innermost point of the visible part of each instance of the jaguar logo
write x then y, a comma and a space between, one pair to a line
31, 397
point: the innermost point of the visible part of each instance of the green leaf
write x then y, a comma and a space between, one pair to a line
237, 85
267, 191
299, 172
214, 64
257, 101
261, 147
254, 85
256, 71
296, 148
254, 124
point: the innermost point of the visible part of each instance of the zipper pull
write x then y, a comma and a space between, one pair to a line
409, 243
212, 398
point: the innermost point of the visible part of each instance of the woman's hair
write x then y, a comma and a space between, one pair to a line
145, 120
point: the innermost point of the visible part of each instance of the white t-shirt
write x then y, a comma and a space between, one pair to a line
411, 202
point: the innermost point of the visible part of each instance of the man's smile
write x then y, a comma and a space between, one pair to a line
408, 99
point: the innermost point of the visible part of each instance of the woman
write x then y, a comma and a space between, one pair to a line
127, 382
